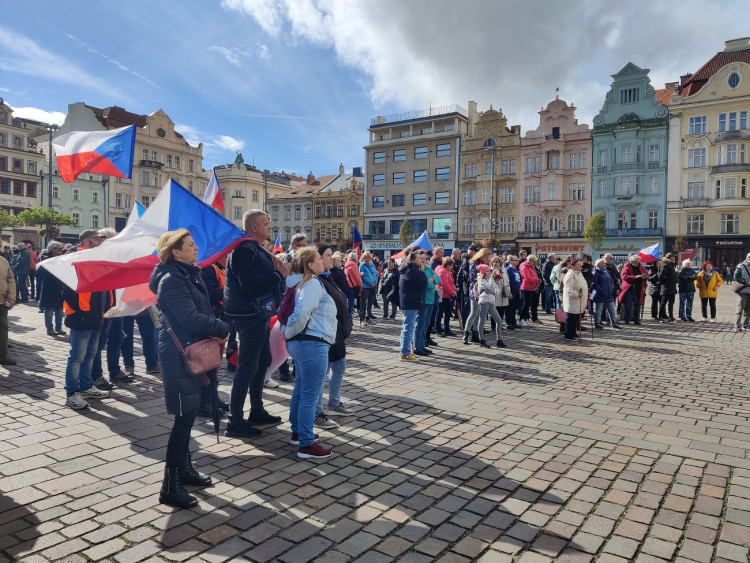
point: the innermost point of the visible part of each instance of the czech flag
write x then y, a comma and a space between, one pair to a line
277, 248
357, 242
129, 258
212, 195
650, 253
422, 242
101, 152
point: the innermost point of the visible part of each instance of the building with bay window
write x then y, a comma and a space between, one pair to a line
337, 208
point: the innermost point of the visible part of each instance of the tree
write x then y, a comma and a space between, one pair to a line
46, 218
680, 243
7, 220
405, 234
596, 230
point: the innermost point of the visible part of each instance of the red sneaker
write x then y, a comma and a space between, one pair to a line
313, 452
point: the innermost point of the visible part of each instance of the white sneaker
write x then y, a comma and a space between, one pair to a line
322, 421
271, 382
75, 401
523, 324
94, 393
340, 410
712, 320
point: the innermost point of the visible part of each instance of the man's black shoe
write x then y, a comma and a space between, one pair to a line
241, 430
421, 353
263, 417
431, 342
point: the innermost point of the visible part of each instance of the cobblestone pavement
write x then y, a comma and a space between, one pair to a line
632, 447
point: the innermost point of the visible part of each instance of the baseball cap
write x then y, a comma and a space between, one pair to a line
89, 233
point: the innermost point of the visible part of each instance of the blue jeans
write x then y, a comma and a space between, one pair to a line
83, 346
23, 291
148, 341
111, 337
336, 369
610, 305
686, 305
58, 312
408, 327
558, 303
423, 319
311, 362
632, 308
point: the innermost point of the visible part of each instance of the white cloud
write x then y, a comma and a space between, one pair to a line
263, 52
20, 54
110, 60
231, 56
56, 117
510, 54
193, 135
229, 143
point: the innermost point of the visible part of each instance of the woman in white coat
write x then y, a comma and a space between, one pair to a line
575, 297
488, 289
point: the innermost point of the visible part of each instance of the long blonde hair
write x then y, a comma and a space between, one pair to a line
481, 255
303, 257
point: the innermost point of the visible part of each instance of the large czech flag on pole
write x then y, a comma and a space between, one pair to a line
212, 195
357, 242
129, 258
101, 152
422, 242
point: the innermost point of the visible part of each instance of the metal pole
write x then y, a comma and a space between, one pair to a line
51, 129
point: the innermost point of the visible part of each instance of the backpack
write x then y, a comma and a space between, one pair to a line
287, 305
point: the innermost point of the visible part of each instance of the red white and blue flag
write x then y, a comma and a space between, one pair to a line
212, 196
101, 152
127, 260
277, 248
357, 242
422, 242
650, 253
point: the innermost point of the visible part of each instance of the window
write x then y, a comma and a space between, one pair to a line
399, 177
275, 213
4, 186
378, 201
630, 95
378, 179
508, 166
154, 156
308, 213
377, 227
378, 157
551, 192
420, 176
443, 150
145, 200
95, 196
398, 200
626, 187
31, 168
733, 121
507, 195
697, 125
30, 189
340, 210
554, 224
177, 163
418, 225
3, 163
601, 188
695, 224
485, 195
145, 179
488, 167
575, 222
396, 226
555, 132
145, 154
420, 152
603, 158
404, 134
733, 80
696, 158
442, 173
450, 127
237, 213
329, 210
653, 185
191, 165
297, 213
531, 224
77, 217
485, 227
190, 186
626, 220
76, 194
470, 197
288, 214
654, 153
533, 193
730, 223
426, 130
653, 219
118, 200
468, 227
730, 187
626, 153
507, 225
169, 160
442, 198
470, 170
420, 199
576, 191
554, 161
399, 154
354, 211
128, 201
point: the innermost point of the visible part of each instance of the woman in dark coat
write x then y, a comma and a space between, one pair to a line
411, 285
389, 288
51, 293
183, 301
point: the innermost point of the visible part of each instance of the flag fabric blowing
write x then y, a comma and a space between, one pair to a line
212, 196
650, 253
357, 242
101, 152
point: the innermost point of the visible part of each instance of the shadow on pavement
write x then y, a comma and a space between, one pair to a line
18, 529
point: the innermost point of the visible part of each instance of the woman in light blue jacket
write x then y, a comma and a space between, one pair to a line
310, 331
369, 274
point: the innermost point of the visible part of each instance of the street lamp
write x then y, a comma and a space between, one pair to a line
490, 145
50, 129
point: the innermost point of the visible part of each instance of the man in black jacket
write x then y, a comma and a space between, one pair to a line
549, 290
668, 284
254, 281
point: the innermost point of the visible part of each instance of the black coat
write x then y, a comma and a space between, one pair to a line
183, 299
668, 279
411, 286
686, 279
389, 284
52, 289
338, 276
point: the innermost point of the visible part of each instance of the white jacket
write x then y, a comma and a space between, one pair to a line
503, 287
487, 289
575, 292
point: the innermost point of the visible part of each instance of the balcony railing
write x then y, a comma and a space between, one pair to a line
151, 163
697, 202
550, 234
654, 165
627, 166
419, 114
634, 232
727, 168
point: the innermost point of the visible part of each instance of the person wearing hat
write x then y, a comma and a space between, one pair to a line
668, 287
183, 300
22, 269
84, 316
742, 276
7, 254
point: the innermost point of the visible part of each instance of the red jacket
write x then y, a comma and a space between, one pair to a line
630, 274
529, 279
446, 282
351, 270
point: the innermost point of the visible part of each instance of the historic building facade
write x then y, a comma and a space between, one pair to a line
21, 171
708, 203
291, 211
489, 185
555, 182
337, 208
629, 170
412, 163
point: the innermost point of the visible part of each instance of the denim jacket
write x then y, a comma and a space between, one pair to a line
314, 309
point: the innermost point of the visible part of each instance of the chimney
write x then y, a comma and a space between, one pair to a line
737, 44
310, 178
341, 168
671, 85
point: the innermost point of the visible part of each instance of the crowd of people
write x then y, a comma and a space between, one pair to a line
314, 295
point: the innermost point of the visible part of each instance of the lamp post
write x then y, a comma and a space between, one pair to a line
50, 129
489, 145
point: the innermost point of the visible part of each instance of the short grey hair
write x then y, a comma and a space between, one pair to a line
250, 217
298, 237
633, 258
53, 245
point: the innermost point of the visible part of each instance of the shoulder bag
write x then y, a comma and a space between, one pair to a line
199, 357
739, 287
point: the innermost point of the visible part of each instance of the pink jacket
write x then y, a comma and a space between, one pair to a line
353, 278
446, 282
529, 279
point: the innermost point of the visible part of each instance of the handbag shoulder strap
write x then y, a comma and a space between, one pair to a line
176, 340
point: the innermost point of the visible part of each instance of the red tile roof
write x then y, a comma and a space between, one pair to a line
115, 116
692, 83
662, 96
307, 189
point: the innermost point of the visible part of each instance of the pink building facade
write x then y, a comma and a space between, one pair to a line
555, 198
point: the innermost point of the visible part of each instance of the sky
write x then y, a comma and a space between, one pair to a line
293, 84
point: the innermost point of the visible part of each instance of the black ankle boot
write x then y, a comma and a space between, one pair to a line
172, 492
189, 475
474, 336
466, 337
